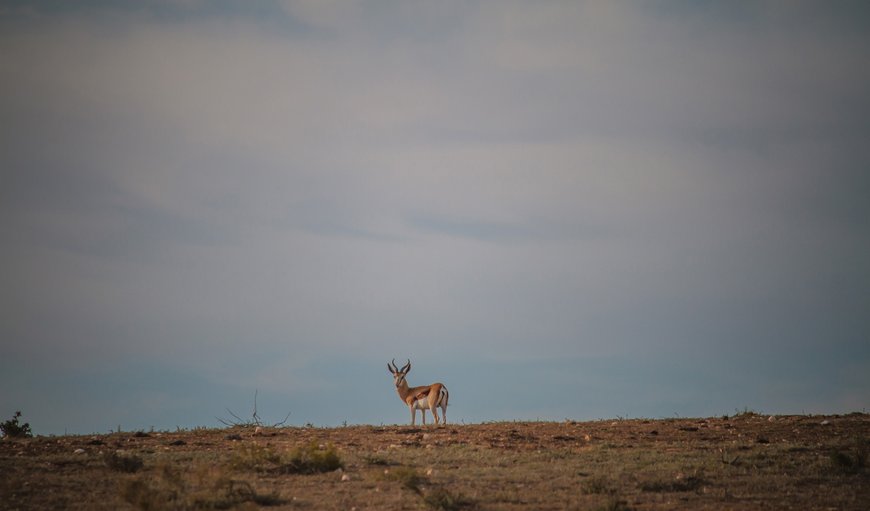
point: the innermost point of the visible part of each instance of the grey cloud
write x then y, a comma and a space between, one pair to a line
515, 182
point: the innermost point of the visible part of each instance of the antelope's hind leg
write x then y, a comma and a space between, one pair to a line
435, 413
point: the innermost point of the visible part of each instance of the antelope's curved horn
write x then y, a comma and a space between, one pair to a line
395, 368
407, 367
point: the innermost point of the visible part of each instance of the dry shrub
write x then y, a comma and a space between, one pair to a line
207, 487
850, 460
254, 457
441, 499
408, 477
596, 486
128, 463
312, 459
373, 459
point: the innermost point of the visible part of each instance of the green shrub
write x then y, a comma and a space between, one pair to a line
12, 428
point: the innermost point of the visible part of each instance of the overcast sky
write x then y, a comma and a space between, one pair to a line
558, 209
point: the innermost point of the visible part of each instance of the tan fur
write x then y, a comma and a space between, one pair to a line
432, 394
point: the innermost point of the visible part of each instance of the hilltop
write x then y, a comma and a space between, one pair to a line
748, 461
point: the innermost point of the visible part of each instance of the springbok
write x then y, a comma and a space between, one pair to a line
427, 397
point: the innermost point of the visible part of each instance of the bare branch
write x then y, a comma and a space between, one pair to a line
282, 422
255, 419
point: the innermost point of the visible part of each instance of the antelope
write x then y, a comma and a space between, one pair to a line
419, 398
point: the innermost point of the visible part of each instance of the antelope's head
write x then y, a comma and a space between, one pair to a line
399, 374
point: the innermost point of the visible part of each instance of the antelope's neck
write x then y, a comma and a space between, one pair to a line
403, 390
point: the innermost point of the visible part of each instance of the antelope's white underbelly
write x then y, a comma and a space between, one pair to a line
422, 404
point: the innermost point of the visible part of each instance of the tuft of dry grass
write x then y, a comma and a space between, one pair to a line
443, 500
254, 457
313, 458
408, 477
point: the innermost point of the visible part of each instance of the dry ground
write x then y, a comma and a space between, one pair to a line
746, 461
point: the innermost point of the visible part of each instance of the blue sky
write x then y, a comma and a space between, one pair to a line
558, 209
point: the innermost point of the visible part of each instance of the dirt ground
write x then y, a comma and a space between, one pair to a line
748, 461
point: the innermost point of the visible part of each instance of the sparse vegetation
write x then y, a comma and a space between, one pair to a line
746, 412
313, 458
408, 477
850, 460
206, 488
596, 486
614, 504
254, 421
441, 499
372, 459
810, 462
254, 457
690, 483
14, 429
128, 463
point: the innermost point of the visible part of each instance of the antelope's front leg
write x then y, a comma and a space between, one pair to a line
424, 416
413, 414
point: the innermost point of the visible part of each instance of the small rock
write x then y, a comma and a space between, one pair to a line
345, 477
426, 436
771, 419
825, 422
258, 431
234, 436
430, 472
79, 451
